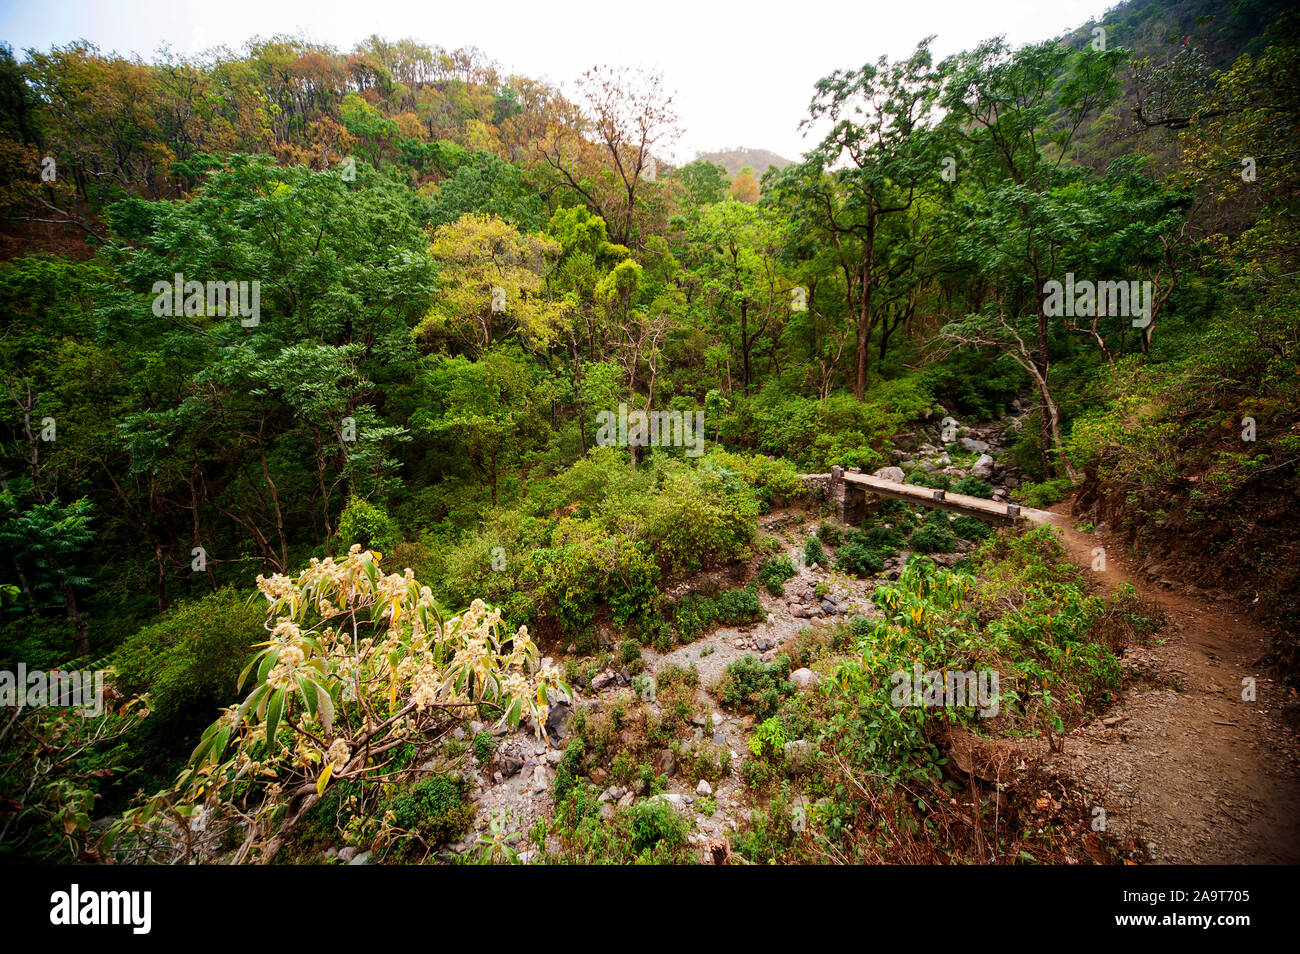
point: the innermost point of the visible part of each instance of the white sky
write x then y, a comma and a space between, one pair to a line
743, 72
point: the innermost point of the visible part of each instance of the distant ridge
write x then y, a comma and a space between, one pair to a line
733, 160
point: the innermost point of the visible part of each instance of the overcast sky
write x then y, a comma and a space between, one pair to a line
743, 72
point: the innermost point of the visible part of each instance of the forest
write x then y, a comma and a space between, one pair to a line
433, 471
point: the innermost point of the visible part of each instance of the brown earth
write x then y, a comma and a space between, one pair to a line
1190, 764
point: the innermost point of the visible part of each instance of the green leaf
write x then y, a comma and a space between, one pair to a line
273, 713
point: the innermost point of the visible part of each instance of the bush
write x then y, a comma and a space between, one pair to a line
437, 809
883, 539
970, 528
190, 660
656, 828
695, 615
973, 487
931, 538
369, 525
812, 551
858, 558
830, 534
1042, 495
748, 685
774, 571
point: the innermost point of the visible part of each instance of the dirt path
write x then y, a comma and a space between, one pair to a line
1199, 773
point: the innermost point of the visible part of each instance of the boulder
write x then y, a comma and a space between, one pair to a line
676, 802
799, 752
974, 446
890, 473
667, 762
983, 467
704, 789
803, 678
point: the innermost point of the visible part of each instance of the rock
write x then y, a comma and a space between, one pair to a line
612, 794
943, 460
667, 762
458, 734
361, 859
764, 643
700, 719
717, 718
704, 789
627, 800
890, 473
601, 680
984, 467
801, 612
798, 752
829, 608
803, 678
557, 720
553, 757
607, 812
719, 738
509, 764
974, 446
538, 783
677, 802
1113, 721
347, 853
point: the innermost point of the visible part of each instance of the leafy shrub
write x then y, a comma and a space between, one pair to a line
1044, 494
485, 745
883, 539
189, 660
774, 571
656, 828
858, 558
629, 655
569, 769
695, 615
932, 538
749, 685
768, 739
970, 528
369, 525
812, 551
437, 809
973, 486
830, 533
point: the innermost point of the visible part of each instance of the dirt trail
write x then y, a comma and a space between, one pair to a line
1198, 773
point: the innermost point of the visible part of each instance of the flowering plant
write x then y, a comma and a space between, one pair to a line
357, 664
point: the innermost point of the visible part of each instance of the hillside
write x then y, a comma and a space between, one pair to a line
733, 160
422, 472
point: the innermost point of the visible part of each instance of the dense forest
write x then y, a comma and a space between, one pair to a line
437, 470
